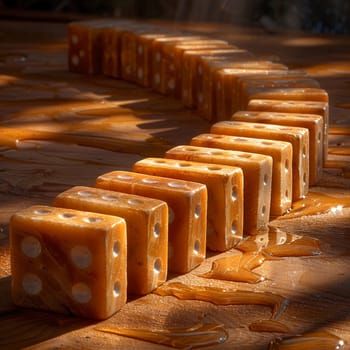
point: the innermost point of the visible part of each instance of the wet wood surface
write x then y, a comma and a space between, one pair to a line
59, 129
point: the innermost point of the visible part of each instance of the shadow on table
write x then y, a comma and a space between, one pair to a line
20, 328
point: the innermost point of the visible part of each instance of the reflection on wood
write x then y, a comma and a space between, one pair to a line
189, 338
316, 203
309, 341
278, 243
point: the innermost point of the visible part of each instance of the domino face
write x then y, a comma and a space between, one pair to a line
281, 153
112, 48
171, 78
225, 195
287, 93
313, 122
85, 45
188, 70
144, 70
187, 203
68, 261
203, 73
157, 56
308, 107
298, 137
132, 54
225, 84
301, 82
147, 230
257, 172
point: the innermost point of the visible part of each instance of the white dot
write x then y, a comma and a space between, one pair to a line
116, 289
200, 98
31, 247
124, 177
197, 211
266, 180
157, 266
140, 73
81, 293
140, 49
92, 220
42, 212
32, 284
156, 230
233, 228
116, 249
81, 256
75, 39
158, 57
234, 193
134, 202
67, 216
109, 198
85, 193
149, 181
176, 185
75, 60
196, 247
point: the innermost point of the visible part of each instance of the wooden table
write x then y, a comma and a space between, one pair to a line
60, 129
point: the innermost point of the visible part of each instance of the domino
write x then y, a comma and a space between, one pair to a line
188, 70
257, 173
85, 45
187, 204
68, 261
225, 195
313, 122
147, 231
281, 153
172, 53
157, 56
225, 85
282, 87
307, 107
298, 137
135, 52
112, 48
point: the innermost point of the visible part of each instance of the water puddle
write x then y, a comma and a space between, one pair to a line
223, 296
188, 338
316, 203
309, 341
